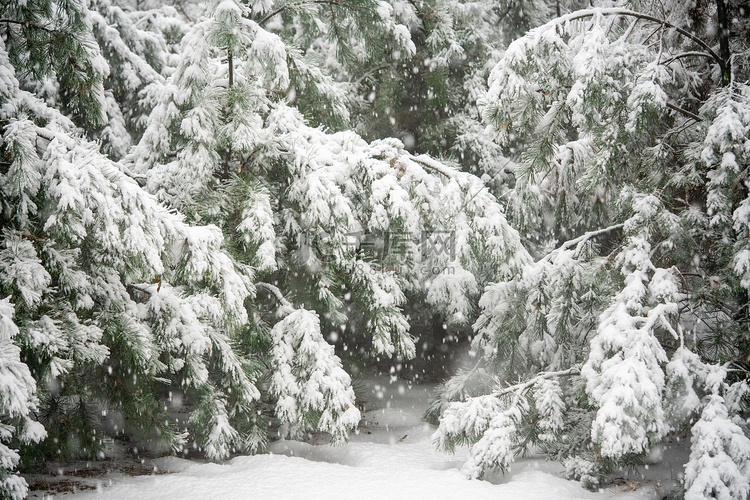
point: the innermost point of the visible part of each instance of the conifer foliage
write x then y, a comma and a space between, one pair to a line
112, 291
188, 210
630, 132
207, 259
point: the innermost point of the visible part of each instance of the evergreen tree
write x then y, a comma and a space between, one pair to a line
309, 379
629, 131
139, 47
234, 137
18, 404
427, 96
112, 286
719, 465
117, 297
178, 215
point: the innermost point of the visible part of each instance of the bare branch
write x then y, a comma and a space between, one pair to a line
685, 112
694, 53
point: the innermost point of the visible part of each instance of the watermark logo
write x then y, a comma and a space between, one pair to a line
438, 243
385, 250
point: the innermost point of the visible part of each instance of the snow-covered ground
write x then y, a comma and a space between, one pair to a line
391, 457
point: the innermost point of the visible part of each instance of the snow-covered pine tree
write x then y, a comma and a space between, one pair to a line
116, 299
623, 373
313, 391
54, 47
600, 105
139, 48
216, 144
719, 465
119, 301
18, 402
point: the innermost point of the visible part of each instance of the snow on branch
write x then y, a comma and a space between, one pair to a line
719, 464
491, 424
434, 165
525, 386
286, 306
313, 390
578, 241
616, 11
626, 342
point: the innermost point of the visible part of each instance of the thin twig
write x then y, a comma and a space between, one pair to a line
285, 7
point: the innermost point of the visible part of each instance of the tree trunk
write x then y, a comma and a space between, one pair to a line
726, 70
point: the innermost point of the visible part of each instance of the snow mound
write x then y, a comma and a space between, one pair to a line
392, 456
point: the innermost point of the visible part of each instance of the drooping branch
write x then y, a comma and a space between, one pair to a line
433, 165
615, 11
693, 53
48, 136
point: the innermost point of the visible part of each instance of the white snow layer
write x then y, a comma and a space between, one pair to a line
392, 456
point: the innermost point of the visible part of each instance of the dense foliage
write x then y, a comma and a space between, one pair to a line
631, 130
200, 201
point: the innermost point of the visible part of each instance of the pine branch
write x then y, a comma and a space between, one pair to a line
577, 241
524, 386
693, 53
416, 8
615, 11
70, 143
434, 165
285, 304
272, 14
32, 26
371, 71
51, 31
285, 7
505, 13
